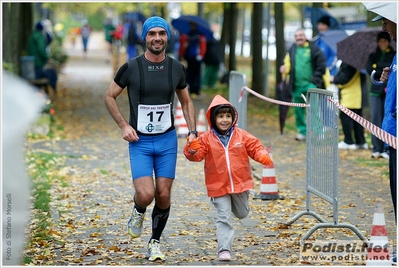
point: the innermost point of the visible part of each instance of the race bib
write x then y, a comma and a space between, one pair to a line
154, 119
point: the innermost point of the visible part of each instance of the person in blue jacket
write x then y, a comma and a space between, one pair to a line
323, 25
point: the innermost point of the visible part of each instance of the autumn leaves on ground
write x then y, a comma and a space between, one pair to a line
82, 176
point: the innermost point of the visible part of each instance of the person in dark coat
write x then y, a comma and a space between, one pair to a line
213, 58
382, 57
305, 64
352, 94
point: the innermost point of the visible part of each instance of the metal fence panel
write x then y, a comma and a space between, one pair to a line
236, 82
322, 160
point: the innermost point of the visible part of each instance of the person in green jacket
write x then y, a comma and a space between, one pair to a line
37, 47
305, 64
109, 30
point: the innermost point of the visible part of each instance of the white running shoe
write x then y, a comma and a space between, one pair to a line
384, 155
300, 137
153, 251
375, 155
344, 145
362, 146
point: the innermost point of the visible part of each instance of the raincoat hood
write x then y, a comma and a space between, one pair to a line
218, 102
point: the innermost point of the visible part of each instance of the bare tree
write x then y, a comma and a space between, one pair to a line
232, 35
257, 43
17, 25
280, 42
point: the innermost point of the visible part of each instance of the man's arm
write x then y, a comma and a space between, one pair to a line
188, 110
113, 91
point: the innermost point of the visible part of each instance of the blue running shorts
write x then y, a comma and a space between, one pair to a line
154, 154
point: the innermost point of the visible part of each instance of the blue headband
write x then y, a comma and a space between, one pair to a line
152, 23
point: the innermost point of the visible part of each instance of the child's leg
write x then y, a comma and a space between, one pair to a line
225, 231
239, 204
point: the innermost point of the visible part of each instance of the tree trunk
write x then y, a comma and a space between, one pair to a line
224, 37
200, 10
6, 32
17, 26
233, 35
256, 43
280, 42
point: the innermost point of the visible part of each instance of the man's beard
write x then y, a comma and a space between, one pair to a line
156, 51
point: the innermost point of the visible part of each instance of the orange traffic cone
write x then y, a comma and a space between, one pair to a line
378, 248
182, 131
180, 123
268, 188
201, 124
179, 118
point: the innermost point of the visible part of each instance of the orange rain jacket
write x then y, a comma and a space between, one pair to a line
227, 169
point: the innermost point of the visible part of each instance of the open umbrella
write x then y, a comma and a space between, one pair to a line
332, 37
316, 13
284, 93
385, 9
182, 24
356, 48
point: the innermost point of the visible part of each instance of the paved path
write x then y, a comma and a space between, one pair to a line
91, 212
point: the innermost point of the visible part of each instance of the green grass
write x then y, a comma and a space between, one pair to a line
43, 169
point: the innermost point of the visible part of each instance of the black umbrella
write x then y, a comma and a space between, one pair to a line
284, 93
356, 48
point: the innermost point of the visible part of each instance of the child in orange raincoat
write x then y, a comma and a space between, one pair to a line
228, 175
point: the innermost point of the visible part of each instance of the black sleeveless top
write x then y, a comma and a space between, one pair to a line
150, 83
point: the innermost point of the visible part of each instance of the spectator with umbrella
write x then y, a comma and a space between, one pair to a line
379, 59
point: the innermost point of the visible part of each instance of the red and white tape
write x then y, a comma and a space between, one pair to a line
269, 99
374, 130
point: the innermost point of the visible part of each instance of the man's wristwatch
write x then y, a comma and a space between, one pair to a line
193, 132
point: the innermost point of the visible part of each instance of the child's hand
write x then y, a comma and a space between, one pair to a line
193, 147
265, 160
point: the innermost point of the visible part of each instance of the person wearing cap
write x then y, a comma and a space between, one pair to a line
226, 150
151, 80
389, 123
382, 57
323, 25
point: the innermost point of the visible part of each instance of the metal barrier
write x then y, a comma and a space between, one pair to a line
322, 160
236, 82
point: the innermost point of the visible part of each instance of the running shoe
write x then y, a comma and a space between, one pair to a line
135, 224
344, 145
153, 251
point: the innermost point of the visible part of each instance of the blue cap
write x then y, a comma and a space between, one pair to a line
155, 22
39, 26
